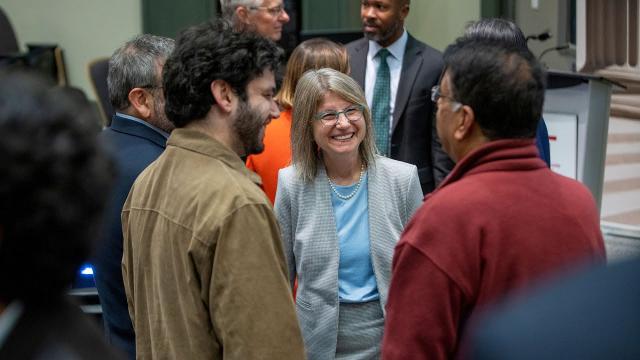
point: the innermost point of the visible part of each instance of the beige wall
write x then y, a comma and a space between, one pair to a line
545, 17
85, 29
440, 22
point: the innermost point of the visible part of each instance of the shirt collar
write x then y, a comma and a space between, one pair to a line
396, 49
133, 118
497, 155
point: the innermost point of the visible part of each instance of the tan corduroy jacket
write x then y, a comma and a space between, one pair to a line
203, 266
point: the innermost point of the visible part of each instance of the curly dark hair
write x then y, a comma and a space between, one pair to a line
54, 179
504, 85
207, 52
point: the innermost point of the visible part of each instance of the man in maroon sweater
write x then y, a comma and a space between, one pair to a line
499, 222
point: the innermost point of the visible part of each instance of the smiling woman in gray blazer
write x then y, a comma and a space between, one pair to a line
341, 209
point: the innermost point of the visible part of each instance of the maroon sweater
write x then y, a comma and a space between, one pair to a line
501, 220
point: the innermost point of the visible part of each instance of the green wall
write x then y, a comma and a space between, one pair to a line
169, 17
330, 15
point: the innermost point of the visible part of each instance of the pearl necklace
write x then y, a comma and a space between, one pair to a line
353, 193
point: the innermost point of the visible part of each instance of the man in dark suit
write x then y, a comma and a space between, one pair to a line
398, 90
136, 137
591, 315
54, 181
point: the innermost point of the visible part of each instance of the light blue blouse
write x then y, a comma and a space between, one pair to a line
356, 280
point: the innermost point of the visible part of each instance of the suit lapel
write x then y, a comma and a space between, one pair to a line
359, 62
377, 209
325, 217
411, 64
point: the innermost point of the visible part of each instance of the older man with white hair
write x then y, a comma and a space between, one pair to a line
265, 17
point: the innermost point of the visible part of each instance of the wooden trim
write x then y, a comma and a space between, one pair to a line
60, 66
103, 111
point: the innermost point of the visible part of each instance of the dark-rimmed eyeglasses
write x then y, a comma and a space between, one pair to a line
352, 113
436, 94
274, 11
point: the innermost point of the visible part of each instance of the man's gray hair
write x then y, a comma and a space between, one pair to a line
134, 64
228, 7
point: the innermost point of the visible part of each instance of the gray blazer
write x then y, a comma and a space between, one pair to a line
311, 247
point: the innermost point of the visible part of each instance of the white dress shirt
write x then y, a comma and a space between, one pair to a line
395, 67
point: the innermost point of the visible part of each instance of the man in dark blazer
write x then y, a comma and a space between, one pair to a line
136, 137
414, 68
591, 315
54, 181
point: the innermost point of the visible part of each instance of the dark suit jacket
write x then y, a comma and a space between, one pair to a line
133, 146
592, 315
413, 139
55, 330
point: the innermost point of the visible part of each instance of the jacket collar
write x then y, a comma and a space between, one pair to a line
499, 155
199, 142
411, 65
126, 126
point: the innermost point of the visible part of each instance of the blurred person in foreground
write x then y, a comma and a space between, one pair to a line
310, 54
590, 315
137, 135
54, 181
341, 208
506, 32
501, 221
203, 265
264, 17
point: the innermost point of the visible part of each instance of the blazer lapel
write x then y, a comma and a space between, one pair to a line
359, 62
377, 208
411, 64
376, 205
326, 220
323, 192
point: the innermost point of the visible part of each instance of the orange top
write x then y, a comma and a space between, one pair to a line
276, 154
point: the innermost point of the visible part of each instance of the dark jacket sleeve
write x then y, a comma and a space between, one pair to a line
442, 163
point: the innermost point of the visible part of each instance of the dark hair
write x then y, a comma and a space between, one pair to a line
213, 51
503, 32
503, 85
135, 64
54, 179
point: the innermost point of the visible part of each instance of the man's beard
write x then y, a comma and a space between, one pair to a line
383, 34
161, 120
248, 126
